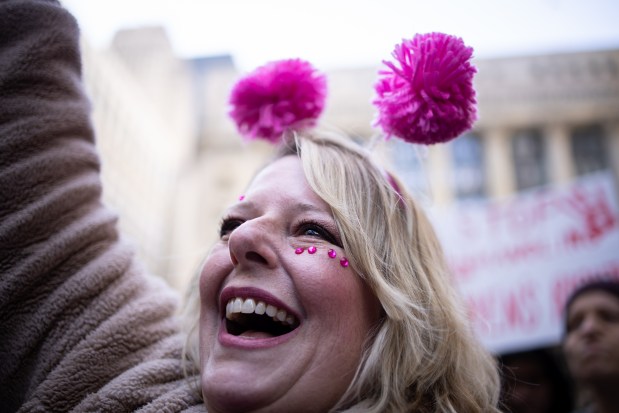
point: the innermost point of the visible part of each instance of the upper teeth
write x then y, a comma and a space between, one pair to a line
249, 306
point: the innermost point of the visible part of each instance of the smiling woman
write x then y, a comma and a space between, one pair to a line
321, 313
327, 290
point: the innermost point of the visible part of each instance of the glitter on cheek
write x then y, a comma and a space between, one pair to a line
331, 253
242, 197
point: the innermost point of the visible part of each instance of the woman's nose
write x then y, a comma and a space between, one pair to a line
253, 243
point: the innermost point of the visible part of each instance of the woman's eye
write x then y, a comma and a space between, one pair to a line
318, 231
312, 232
228, 225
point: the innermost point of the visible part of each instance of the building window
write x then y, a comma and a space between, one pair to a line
410, 163
529, 155
589, 149
468, 167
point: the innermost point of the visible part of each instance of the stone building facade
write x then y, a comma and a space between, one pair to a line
173, 160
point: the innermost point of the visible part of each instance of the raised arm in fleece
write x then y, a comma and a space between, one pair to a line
82, 327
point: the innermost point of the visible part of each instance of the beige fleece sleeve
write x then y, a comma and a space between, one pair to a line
82, 327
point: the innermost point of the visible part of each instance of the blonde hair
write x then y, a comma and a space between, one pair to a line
422, 357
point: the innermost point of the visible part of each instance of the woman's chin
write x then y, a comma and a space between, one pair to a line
231, 391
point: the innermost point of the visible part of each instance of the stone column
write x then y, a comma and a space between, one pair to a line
439, 171
560, 160
612, 145
499, 163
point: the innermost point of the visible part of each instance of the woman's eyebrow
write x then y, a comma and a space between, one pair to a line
241, 206
247, 206
307, 207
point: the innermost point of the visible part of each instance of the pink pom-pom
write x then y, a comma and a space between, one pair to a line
276, 97
430, 97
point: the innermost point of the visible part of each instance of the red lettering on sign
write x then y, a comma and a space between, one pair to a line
495, 313
594, 213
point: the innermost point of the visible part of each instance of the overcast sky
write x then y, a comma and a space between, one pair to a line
344, 33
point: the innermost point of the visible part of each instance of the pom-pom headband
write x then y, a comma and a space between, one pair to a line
278, 96
426, 97
429, 98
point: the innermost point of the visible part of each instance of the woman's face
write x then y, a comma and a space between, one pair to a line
591, 344
273, 258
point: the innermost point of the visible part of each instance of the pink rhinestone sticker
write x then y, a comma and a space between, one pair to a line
344, 262
332, 253
299, 251
311, 250
242, 197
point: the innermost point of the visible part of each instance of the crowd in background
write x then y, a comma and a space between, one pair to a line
581, 375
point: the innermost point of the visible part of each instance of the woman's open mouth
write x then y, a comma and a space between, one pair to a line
251, 318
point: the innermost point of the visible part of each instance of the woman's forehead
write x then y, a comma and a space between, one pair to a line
283, 181
283, 176
290, 164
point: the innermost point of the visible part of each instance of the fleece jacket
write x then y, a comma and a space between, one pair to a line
83, 327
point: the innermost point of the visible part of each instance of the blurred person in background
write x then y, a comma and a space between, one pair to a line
534, 382
591, 345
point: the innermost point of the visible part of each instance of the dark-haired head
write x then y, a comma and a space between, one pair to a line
604, 284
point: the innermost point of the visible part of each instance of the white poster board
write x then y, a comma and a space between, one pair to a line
516, 261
